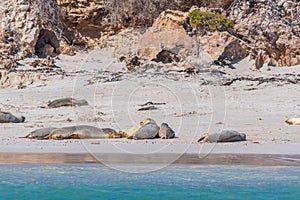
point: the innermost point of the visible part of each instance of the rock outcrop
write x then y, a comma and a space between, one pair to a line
271, 28
48, 27
30, 28
165, 45
19, 80
174, 45
95, 20
267, 31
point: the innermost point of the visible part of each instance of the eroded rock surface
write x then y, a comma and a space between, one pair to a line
271, 27
267, 31
30, 28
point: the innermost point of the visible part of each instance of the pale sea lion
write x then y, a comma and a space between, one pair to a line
224, 136
293, 121
147, 129
166, 132
40, 133
66, 102
83, 132
7, 117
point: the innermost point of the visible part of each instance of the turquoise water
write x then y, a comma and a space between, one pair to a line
174, 182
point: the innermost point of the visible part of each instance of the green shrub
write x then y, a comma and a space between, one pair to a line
210, 21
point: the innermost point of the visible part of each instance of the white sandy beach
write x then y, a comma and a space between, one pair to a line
191, 108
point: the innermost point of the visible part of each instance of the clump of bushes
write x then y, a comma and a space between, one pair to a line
209, 21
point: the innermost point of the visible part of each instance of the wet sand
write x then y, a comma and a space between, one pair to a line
163, 159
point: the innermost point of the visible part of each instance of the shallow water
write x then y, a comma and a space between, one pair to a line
92, 181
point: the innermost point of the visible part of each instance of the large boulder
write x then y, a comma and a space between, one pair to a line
224, 47
180, 39
166, 36
168, 45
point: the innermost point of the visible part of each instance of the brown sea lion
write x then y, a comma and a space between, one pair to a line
7, 117
146, 129
40, 133
83, 132
66, 102
224, 136
166, 132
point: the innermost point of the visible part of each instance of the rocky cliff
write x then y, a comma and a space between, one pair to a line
268, 30
30, 28
49, 27
96, 19
271, 28
265, 30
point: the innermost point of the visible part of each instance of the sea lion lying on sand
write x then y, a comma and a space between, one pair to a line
7, 117
66, 102
74, 132
166, 132
40, 133
148, 129
224, 136
293, 121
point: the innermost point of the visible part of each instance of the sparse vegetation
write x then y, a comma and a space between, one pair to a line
210, 21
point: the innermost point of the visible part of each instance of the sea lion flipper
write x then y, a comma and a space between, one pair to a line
74, 136
42, 138
47, 137
202, 138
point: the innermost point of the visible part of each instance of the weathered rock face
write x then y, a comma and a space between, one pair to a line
29, 28
141, 13
166, 43
268, 31
271, 27
19, 80
48, 27
87, 18
222, 47
166, 35
97, 19
171, 40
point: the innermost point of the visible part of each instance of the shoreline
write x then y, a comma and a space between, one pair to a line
156, 159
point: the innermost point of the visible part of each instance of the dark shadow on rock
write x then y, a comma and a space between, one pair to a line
47, 44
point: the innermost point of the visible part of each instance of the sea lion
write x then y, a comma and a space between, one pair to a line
224, 136
66, 102
166, 132
293, 121
7, 117
40, 133
83, 132
147, 129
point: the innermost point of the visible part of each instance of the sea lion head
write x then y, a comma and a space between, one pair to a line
165, 132
146, 121
243, 136
123, 134
22, 119
82, 102
111, 133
